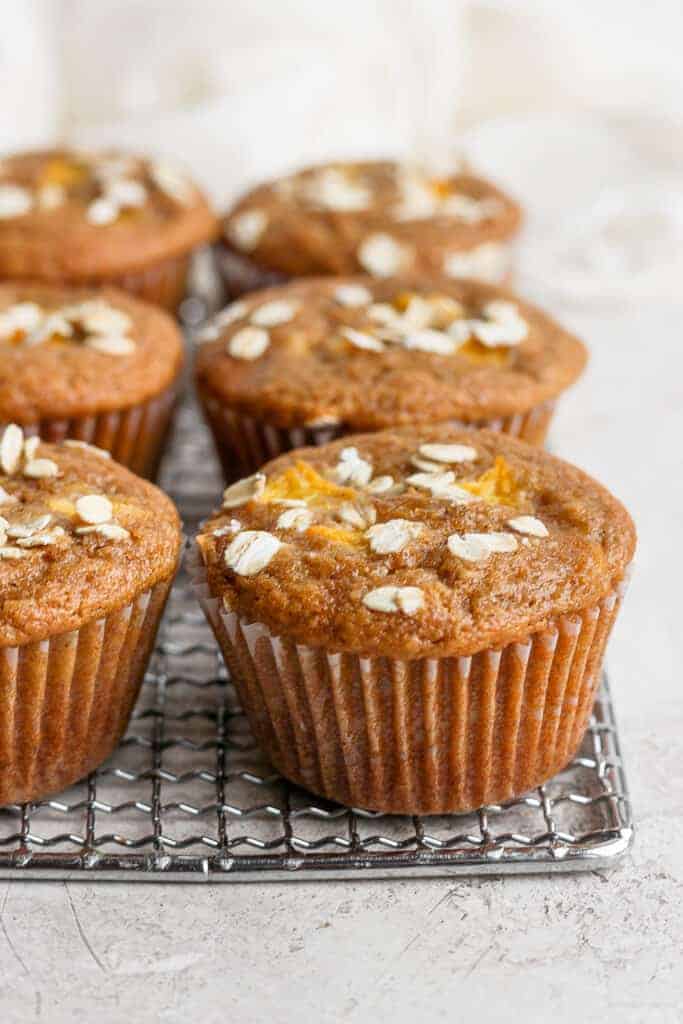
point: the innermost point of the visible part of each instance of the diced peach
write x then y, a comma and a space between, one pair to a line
302, 483
63, 172
338, 534
497, 485
482, 355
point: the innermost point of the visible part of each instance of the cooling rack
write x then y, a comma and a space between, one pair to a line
188, 797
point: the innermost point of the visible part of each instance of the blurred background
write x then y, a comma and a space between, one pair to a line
576, 108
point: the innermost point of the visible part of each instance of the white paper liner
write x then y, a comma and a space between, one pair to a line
163, 284
429, 736
135, 436
240, 274
490, 261
65, 701
243, 444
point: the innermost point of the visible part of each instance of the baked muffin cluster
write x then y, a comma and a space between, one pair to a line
414, 609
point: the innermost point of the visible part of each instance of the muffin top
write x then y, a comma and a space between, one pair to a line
79, 536
72, 352
81, 215
415, 542
383, 218
371, 353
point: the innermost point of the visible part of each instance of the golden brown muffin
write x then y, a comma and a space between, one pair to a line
318, 358
416, 619
378, 217
95, 365
72, 217
88, 552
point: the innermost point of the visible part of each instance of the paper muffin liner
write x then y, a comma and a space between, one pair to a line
240, 274
65, 701
243, 444
425, 736
163, 284
135, 436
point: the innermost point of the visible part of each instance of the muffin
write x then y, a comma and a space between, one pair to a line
88, 552
382, 218
312, 360
91, 219
416, 619
95, 366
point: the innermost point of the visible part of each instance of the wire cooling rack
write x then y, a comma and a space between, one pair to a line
187, 796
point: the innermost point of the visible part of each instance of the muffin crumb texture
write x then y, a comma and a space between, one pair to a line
352, 548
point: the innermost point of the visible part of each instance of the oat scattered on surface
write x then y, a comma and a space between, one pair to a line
249, 343
11, 448
529, 525
298, 519
72, 443
251, 551
94, 508
448, 452
408, 600
39, 469
15, 201
110, 531
270, 314
244, 490
477, 547
332, 188
361, 339
172, 181
245, 230
352, 469
352, 295
229, 529
488, 262
358, 516
10, 552
380, 485
382, 256
102, 211
441, 485
392, 536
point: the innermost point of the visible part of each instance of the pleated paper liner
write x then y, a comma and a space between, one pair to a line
65, 702
163, 284
429, 736
243, 444
240, 274
135, 436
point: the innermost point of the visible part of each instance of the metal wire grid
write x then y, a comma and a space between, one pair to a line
188, 796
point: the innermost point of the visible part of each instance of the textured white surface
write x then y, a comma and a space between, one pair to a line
603, 948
